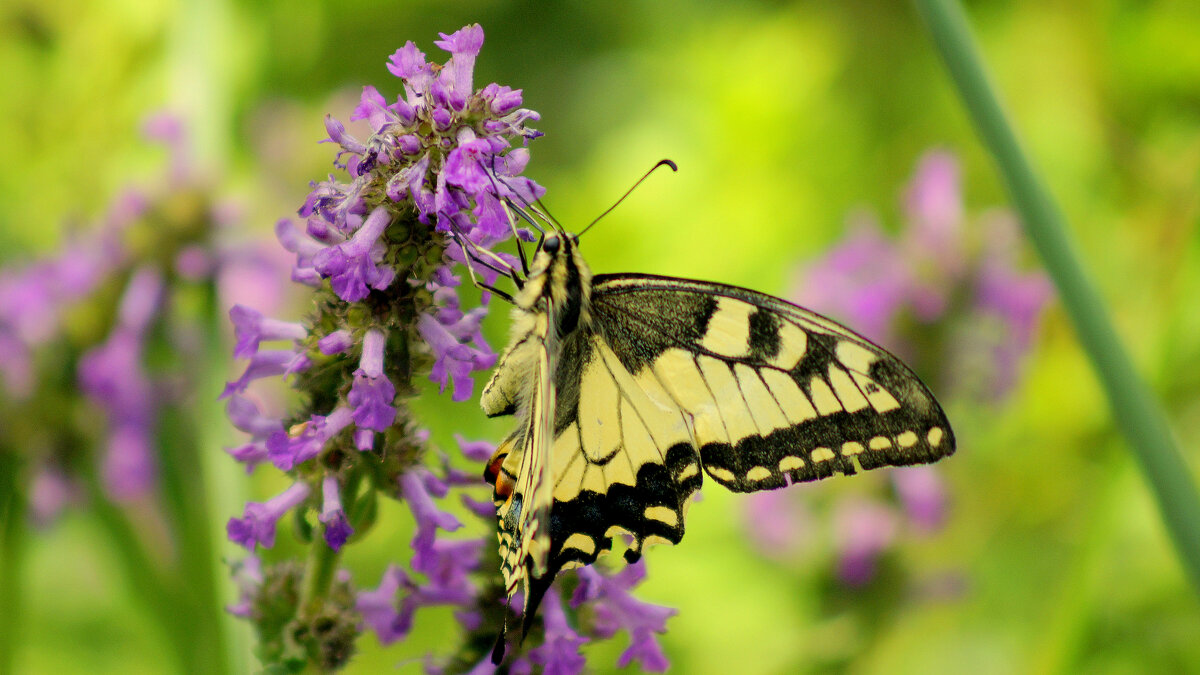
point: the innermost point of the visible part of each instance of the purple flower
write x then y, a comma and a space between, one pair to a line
248, 577
780, 523
922, 494
378, 607
335, 343
616, 609
373, 393
464, 165
251, 327
129, 466
448, 333
464, 46
50, 491
863, 280
286, 451
862, 531
257, 524
352, 265
267, 364
559, 652
418, 487
337, 529
476, 451
246, 417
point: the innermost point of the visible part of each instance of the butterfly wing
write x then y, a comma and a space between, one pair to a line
523, 510
776, 393
676, 377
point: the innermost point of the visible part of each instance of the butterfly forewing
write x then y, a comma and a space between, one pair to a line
776, 394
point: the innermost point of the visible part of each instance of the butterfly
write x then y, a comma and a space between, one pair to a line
629, 388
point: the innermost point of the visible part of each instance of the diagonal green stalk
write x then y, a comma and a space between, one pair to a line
1137, 413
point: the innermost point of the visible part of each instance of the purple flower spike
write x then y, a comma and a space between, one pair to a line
337, 529
373, 393
251, 327
256, 527
351, 266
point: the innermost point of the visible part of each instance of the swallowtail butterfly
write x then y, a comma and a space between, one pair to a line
629, 388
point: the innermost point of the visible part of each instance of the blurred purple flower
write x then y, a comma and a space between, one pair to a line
922, 494
862, 531
50, 492
248, 577
779, 524
112, 375
378, 607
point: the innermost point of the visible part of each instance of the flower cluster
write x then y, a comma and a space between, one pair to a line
937, 280
428, 189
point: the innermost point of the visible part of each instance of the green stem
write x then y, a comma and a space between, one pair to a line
12, 539
141, 572
318, 576
1137, 413
185, 497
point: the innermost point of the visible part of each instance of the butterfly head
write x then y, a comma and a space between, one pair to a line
559, 282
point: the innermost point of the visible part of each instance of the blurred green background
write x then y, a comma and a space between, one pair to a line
784, 117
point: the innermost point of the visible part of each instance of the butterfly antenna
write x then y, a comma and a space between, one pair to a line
665, 162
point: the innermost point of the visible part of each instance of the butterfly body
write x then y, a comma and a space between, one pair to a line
629, 388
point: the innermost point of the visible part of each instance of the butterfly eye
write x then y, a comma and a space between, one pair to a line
550, 245
575, 239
